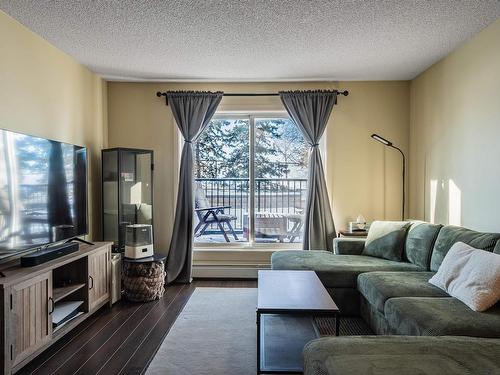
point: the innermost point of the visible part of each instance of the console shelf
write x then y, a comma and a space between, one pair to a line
59, 293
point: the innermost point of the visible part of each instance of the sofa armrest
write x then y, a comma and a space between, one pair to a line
348, 246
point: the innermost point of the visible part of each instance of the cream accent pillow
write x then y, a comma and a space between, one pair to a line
470, 275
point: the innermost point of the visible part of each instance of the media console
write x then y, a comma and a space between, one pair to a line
40, 304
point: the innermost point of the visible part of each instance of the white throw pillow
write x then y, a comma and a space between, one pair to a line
470, 275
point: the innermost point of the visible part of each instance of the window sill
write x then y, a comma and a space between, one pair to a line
246, 246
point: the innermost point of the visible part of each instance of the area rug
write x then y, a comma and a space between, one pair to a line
216, 334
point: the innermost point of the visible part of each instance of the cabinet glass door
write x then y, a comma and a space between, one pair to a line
127, 191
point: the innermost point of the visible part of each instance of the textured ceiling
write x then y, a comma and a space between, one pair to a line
255, 40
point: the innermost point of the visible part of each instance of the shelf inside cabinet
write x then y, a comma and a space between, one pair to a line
61, 292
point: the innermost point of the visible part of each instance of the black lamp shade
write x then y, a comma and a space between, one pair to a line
381, 139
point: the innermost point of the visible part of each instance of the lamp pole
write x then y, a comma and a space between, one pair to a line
389, 144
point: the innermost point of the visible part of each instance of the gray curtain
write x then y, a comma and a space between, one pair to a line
310, 111
192, 112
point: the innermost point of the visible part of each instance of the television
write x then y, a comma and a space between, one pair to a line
43, 192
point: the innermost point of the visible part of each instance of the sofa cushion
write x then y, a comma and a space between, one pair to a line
386, 239
348, 246
419, 243
378, 287
431, 316
335, 271
448, 235
395, 355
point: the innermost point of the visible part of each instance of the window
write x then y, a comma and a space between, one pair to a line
250, 181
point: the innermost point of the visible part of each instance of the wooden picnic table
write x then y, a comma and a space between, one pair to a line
275, 225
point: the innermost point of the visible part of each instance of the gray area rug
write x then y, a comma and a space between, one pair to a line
216, 334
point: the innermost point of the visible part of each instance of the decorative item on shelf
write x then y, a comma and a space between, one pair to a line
361, 222
358, 225
358, 228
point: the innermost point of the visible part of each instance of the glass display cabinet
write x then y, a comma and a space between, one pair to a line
127, 192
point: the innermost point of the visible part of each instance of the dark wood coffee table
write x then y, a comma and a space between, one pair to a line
287, 303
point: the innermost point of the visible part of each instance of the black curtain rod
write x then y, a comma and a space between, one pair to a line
160, 94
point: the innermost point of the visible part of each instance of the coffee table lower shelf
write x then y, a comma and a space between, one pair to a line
280, 341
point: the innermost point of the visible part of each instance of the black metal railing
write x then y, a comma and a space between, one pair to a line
272, 195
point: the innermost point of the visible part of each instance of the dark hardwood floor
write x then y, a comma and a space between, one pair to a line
122, 339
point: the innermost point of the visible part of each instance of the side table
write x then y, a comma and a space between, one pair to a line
144, 279
356, 233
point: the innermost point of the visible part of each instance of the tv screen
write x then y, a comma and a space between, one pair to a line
43, 192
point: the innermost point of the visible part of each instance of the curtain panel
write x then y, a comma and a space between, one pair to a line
192, 112
310, 110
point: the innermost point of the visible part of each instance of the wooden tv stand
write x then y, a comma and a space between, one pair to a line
29, 296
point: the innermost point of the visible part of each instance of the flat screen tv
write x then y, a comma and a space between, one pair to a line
43, 192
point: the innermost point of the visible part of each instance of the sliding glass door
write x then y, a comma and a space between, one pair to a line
280, 183
222, 176
250, 180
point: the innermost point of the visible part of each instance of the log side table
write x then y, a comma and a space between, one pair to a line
144, 279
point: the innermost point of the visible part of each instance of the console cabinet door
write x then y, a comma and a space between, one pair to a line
99, 277
30, 316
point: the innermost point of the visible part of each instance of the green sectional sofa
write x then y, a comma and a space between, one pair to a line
395, 298
339, 271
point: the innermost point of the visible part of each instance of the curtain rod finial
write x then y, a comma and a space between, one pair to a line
160, 94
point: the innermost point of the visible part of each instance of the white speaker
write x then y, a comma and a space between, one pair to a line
138, 241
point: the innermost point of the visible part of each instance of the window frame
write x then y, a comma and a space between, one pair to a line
251, 244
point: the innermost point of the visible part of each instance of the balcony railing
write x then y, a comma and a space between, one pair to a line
272, 195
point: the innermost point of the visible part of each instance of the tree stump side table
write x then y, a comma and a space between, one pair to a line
144, 279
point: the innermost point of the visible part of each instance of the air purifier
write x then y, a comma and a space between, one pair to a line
138, 241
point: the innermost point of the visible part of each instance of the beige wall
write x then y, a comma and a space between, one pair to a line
358, 168
455, 136
44, 92
364, 176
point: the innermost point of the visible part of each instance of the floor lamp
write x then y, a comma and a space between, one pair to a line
389, 144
